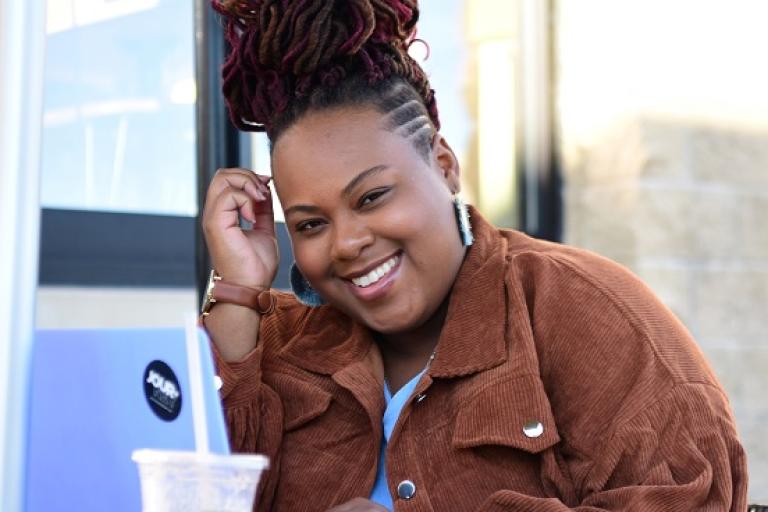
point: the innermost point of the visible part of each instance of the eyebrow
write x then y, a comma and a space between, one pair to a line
361, 177
354, 182
305, 208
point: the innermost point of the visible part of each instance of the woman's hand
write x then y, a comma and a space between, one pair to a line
247, 257
358, 505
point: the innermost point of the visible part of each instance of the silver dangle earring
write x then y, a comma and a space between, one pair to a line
462, 219
303, 290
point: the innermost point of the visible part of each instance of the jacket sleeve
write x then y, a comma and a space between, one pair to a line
253, 410
659, 460
644, 423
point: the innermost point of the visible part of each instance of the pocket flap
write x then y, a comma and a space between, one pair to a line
302, 401
513, 412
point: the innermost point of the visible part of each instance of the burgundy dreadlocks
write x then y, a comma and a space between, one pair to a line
292, 56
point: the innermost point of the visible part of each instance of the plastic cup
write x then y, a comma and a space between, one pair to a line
174, 481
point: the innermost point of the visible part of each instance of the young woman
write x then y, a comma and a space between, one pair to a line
434, 363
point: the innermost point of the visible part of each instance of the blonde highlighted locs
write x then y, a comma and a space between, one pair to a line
292, 56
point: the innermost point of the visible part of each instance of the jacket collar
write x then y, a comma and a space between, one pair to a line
472, 340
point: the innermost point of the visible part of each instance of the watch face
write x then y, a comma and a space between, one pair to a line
208, 298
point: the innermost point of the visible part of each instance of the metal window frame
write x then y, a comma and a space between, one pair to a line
22, 51
540, 184
220, 144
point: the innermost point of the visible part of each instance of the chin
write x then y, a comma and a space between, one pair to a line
395, 316
392, 323
389, 327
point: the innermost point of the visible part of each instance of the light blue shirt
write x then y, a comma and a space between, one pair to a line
380, 493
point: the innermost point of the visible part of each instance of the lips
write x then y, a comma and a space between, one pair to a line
376, 274
374, 283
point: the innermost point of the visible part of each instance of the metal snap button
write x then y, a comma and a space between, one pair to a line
533, 429
406, 489
420, 397
217, 382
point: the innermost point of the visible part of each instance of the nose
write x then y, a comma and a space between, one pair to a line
350, 237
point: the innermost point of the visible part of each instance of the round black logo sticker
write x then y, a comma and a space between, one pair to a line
162, 390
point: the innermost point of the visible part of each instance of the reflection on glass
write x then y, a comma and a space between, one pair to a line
119, 121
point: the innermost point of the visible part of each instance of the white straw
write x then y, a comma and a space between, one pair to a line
196, 385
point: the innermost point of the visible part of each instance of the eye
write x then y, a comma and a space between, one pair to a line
309, 226
372, 196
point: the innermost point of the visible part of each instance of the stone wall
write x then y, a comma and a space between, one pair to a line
685, 206
665, 156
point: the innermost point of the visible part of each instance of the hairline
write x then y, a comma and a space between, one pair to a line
367, 104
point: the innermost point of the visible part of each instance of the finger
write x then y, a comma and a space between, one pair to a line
264, 187
235, 178
264, 215
249, 186
254, 189
232, 177
264, 178
241, 178
230, 204
262, 203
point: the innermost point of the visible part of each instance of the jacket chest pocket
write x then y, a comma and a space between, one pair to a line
513, 412
302, 401
317, 446
314, 420
496, 440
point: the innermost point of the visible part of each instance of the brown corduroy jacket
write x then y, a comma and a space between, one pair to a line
559, 383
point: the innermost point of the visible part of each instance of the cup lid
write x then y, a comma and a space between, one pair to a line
235, 460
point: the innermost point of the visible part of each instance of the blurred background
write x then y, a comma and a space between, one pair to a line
637, 129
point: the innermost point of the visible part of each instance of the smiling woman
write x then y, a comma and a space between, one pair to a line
427, 362
374, 200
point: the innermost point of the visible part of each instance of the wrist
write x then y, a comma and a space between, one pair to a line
219, 290
240, 279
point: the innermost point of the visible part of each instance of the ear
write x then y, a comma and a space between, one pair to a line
445, 161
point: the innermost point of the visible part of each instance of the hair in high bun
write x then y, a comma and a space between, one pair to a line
290, 56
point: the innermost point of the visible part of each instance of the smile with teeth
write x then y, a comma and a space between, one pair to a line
376, 274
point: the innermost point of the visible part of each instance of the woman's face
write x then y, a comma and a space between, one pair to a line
371, 220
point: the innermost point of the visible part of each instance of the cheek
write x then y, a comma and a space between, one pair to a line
436, 251
423, 212
430, 228
311, 257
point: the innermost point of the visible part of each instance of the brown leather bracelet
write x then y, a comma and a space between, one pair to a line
258, 299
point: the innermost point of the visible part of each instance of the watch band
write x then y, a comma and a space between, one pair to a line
258, 299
